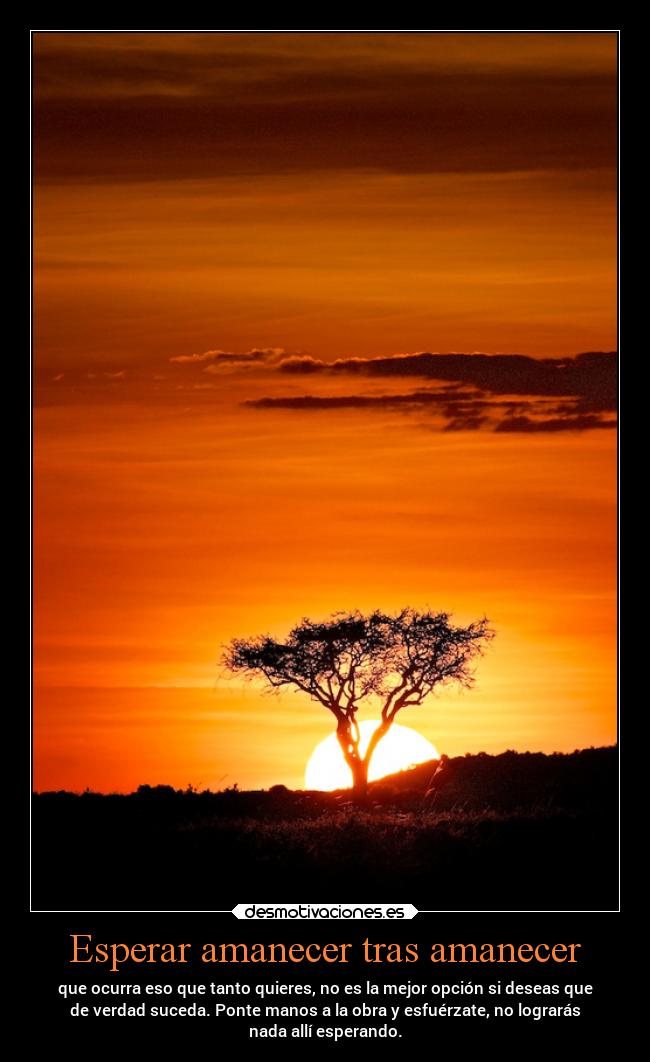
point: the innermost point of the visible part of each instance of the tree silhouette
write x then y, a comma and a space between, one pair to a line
394, 661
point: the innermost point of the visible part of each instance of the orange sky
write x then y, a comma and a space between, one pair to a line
340, 196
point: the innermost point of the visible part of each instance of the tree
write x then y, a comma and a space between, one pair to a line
395, 661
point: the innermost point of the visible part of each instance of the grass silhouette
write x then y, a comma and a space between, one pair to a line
518, 831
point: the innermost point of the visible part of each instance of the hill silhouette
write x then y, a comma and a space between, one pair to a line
517, 831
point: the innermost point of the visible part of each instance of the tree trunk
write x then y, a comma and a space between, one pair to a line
360, 782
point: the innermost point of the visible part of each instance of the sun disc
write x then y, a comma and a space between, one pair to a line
398, 750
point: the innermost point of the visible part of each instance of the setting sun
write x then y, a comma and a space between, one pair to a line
400, 748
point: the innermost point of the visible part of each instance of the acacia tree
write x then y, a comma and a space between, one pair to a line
393, 661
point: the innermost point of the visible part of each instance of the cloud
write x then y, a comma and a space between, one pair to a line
570, 423
215, 104
471, 389
468, 423
457, 392
411, 399
590, 376
194, 359
257, 354
301, 365
471, 414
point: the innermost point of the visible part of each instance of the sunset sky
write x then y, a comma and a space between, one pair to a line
249, 252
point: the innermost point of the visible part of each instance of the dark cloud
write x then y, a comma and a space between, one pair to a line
591, 377
469, 405
468, 423
569, 423
470, 414
134, 109
409, 400
324, 402
501, 404
471, 387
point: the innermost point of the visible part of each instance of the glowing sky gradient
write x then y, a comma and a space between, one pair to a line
336, 196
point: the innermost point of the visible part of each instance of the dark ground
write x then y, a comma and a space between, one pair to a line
519, 831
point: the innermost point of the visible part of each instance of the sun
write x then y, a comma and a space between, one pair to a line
399, 749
